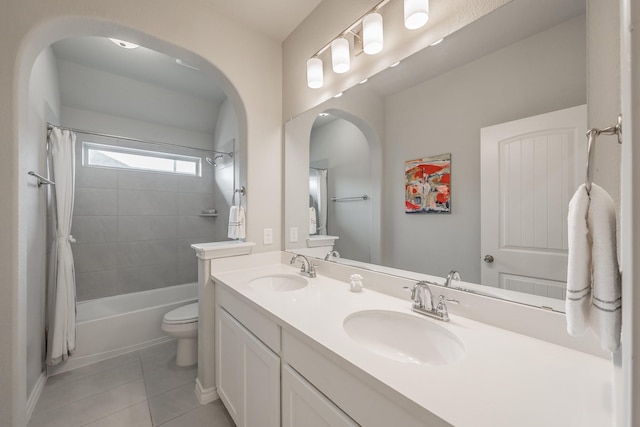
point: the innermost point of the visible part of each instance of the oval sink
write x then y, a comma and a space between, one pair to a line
279, 283
404, 338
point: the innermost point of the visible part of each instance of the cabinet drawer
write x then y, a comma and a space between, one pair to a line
260, 325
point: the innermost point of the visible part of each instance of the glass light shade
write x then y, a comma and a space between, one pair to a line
416, 13
340, 55
315, 78
372, 34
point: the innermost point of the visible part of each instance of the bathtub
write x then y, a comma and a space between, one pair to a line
111, 326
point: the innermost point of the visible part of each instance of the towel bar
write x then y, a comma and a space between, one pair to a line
592, 134
41, 179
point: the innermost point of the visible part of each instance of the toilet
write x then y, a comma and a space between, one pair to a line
182, 323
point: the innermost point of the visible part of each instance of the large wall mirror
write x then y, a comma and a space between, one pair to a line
505, 97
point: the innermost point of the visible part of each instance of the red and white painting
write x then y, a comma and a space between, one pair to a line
428, 184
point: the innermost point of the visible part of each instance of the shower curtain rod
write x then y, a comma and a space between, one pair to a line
49, 126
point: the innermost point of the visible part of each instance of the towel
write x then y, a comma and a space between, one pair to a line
236, 223
593, 276
313, 222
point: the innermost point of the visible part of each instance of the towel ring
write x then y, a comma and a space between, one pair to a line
592, 134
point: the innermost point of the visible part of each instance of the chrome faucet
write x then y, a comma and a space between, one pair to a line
423, 302
453, 275
307, 268
331, 254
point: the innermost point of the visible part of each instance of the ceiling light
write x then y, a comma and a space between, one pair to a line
372, 33
124, 44
437, 42
416, 13
315, 78
340, 55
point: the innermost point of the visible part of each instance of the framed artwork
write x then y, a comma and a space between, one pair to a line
427, 185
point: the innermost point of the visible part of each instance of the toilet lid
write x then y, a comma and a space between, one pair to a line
185, 314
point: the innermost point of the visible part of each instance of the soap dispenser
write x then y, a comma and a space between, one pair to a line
356, 283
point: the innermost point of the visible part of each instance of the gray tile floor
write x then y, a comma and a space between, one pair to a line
140, 389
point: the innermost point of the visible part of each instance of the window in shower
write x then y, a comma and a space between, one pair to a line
109, 156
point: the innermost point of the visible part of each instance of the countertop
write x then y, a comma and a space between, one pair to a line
504, 379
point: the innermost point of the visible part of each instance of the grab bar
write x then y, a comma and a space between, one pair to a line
349, 199
592, 134
41, 179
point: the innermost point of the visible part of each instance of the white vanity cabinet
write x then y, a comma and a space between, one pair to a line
247, 370
304, 405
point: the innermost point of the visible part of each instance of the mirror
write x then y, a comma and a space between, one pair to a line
525, 59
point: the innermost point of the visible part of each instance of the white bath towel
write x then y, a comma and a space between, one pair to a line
236, 223
313, 221
593, 279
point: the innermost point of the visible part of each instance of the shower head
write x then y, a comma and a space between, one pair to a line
212, 162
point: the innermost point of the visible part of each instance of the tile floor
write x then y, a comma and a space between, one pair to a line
140, 389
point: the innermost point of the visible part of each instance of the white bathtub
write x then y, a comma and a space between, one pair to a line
108, 327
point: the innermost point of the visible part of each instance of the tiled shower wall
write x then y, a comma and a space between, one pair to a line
134, 230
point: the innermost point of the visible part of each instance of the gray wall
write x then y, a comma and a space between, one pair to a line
444, 115
346, 152
44, 105
134, 230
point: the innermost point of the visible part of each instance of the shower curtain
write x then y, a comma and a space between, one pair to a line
61, 283
319, 178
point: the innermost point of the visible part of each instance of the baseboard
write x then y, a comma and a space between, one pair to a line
35, 394
205, 396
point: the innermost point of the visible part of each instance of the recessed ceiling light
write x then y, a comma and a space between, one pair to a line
437, 42
394, 64
124, 44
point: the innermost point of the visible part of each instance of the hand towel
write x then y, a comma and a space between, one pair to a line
593, 280
236, 223
313, 222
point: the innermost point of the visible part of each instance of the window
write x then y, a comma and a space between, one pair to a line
109, 156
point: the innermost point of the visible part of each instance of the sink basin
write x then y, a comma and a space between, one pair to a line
279, 283
404, 338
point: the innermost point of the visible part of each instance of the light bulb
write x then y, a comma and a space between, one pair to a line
340, 55
315, 78
372, 34
416, 13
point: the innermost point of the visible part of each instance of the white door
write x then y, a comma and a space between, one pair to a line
530, 170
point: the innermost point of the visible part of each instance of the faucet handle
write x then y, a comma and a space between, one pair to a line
441, 308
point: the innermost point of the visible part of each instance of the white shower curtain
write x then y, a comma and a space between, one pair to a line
61, 284
322, 215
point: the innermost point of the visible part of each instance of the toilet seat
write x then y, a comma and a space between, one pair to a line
181, 315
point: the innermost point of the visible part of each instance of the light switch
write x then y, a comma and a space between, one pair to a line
293, 234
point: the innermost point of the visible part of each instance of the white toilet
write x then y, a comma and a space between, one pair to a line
182, 323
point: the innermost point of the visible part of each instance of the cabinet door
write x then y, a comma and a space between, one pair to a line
304, 406
229, 364
261, 384
248, 375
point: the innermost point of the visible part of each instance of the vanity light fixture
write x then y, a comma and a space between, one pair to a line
372, 34
367, 33
340, 57
124, 44
416, 13
315, 77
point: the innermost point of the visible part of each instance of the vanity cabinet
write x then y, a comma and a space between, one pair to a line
248, 374
304, 405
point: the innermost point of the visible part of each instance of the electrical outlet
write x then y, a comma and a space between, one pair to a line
268, 236
293, 234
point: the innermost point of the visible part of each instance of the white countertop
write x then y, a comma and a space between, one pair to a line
505, 379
